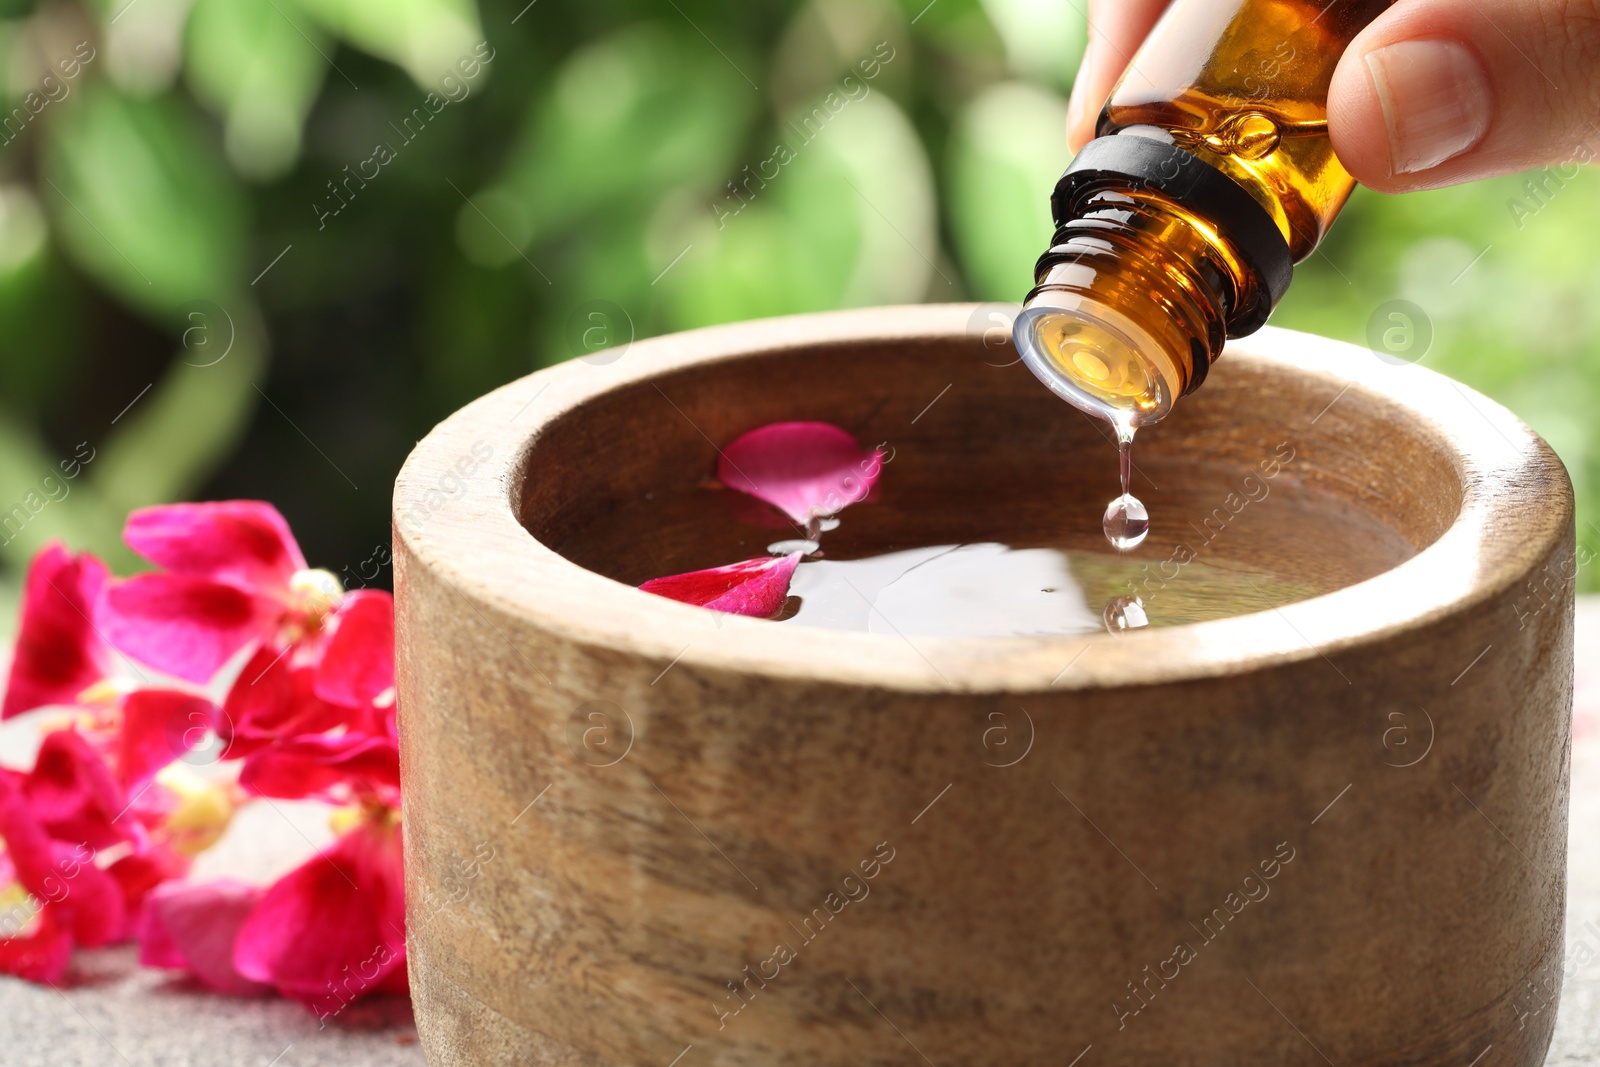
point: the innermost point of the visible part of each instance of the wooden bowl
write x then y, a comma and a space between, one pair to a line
641, 832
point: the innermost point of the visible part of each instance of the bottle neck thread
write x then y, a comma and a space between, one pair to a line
1130, 307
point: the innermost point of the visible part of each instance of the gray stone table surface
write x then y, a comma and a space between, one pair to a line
113, 1012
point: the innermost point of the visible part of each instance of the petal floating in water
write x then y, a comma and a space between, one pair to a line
755, 587
808, 469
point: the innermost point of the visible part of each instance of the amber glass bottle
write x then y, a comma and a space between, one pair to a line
1179, 225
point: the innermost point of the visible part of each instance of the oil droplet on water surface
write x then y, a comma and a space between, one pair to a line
1124, 613
1126, 521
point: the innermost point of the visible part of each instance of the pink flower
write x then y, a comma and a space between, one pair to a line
140, 873
335, 768
194, 927
358, 664
234, 575
58, 653
754, 587
340, 677
73, 795
275, 697
329, 932
57, 819
65, 899
41, 955
808, 469
320, 722
333, 929
157, 727
312, 714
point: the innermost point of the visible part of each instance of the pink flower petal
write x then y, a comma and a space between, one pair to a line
73, 794
274, 697
41, 955
753, 587
358, 660
149, 808
158, 726
333, 929
89, 898
61, 877
243, 542
194, 926
58, 653
27, 844
318, 766
395, 983
183, 625
138, 873
805, 468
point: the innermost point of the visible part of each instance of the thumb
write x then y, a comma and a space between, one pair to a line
1436, 92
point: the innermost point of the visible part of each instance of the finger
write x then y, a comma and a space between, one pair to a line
1437, 92
1116, 29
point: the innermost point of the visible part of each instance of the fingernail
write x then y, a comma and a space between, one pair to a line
1079, 104
1436, 101
1075, 116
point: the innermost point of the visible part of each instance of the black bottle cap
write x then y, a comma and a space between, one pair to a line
1118, 161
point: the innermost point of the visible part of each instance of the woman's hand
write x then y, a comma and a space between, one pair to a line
1432, 93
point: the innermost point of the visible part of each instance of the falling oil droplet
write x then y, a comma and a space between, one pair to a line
1124, 613
1126, 520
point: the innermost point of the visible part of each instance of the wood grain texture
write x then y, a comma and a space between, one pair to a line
680, 810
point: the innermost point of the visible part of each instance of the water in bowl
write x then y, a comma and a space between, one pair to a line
988, 589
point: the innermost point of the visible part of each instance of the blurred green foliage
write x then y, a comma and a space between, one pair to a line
258, 247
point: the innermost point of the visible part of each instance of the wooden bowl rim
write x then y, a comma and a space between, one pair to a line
475, 542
